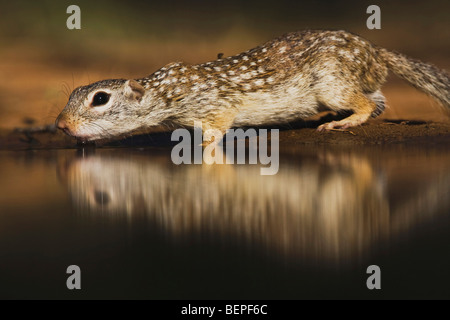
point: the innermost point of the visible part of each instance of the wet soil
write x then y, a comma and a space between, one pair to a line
374, 132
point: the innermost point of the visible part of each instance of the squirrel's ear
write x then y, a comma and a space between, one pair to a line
134, 90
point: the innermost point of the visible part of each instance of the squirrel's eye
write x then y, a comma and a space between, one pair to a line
100, 99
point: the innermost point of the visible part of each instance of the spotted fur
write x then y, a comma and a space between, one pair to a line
286, 79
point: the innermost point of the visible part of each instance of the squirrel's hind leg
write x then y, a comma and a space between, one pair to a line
363, 108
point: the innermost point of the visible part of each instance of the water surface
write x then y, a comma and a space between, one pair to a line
141, 227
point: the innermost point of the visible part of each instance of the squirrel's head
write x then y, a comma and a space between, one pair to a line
104, 109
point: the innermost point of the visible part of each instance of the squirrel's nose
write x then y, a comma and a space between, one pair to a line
61, 124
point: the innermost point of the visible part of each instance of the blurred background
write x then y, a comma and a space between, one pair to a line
41, 61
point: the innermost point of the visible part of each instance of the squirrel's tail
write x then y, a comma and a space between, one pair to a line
423, 76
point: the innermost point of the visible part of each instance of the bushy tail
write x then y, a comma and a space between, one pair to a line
423, 76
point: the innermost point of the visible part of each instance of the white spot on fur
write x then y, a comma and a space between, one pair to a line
259, 82
345, 54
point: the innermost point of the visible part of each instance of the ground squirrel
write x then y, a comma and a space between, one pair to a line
289, 78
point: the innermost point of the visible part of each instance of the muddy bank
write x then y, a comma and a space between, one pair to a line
375, 132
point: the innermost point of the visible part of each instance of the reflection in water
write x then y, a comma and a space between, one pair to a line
320, 206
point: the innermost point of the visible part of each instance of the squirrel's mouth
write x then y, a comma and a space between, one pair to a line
85, 138
81, 137
67, 131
